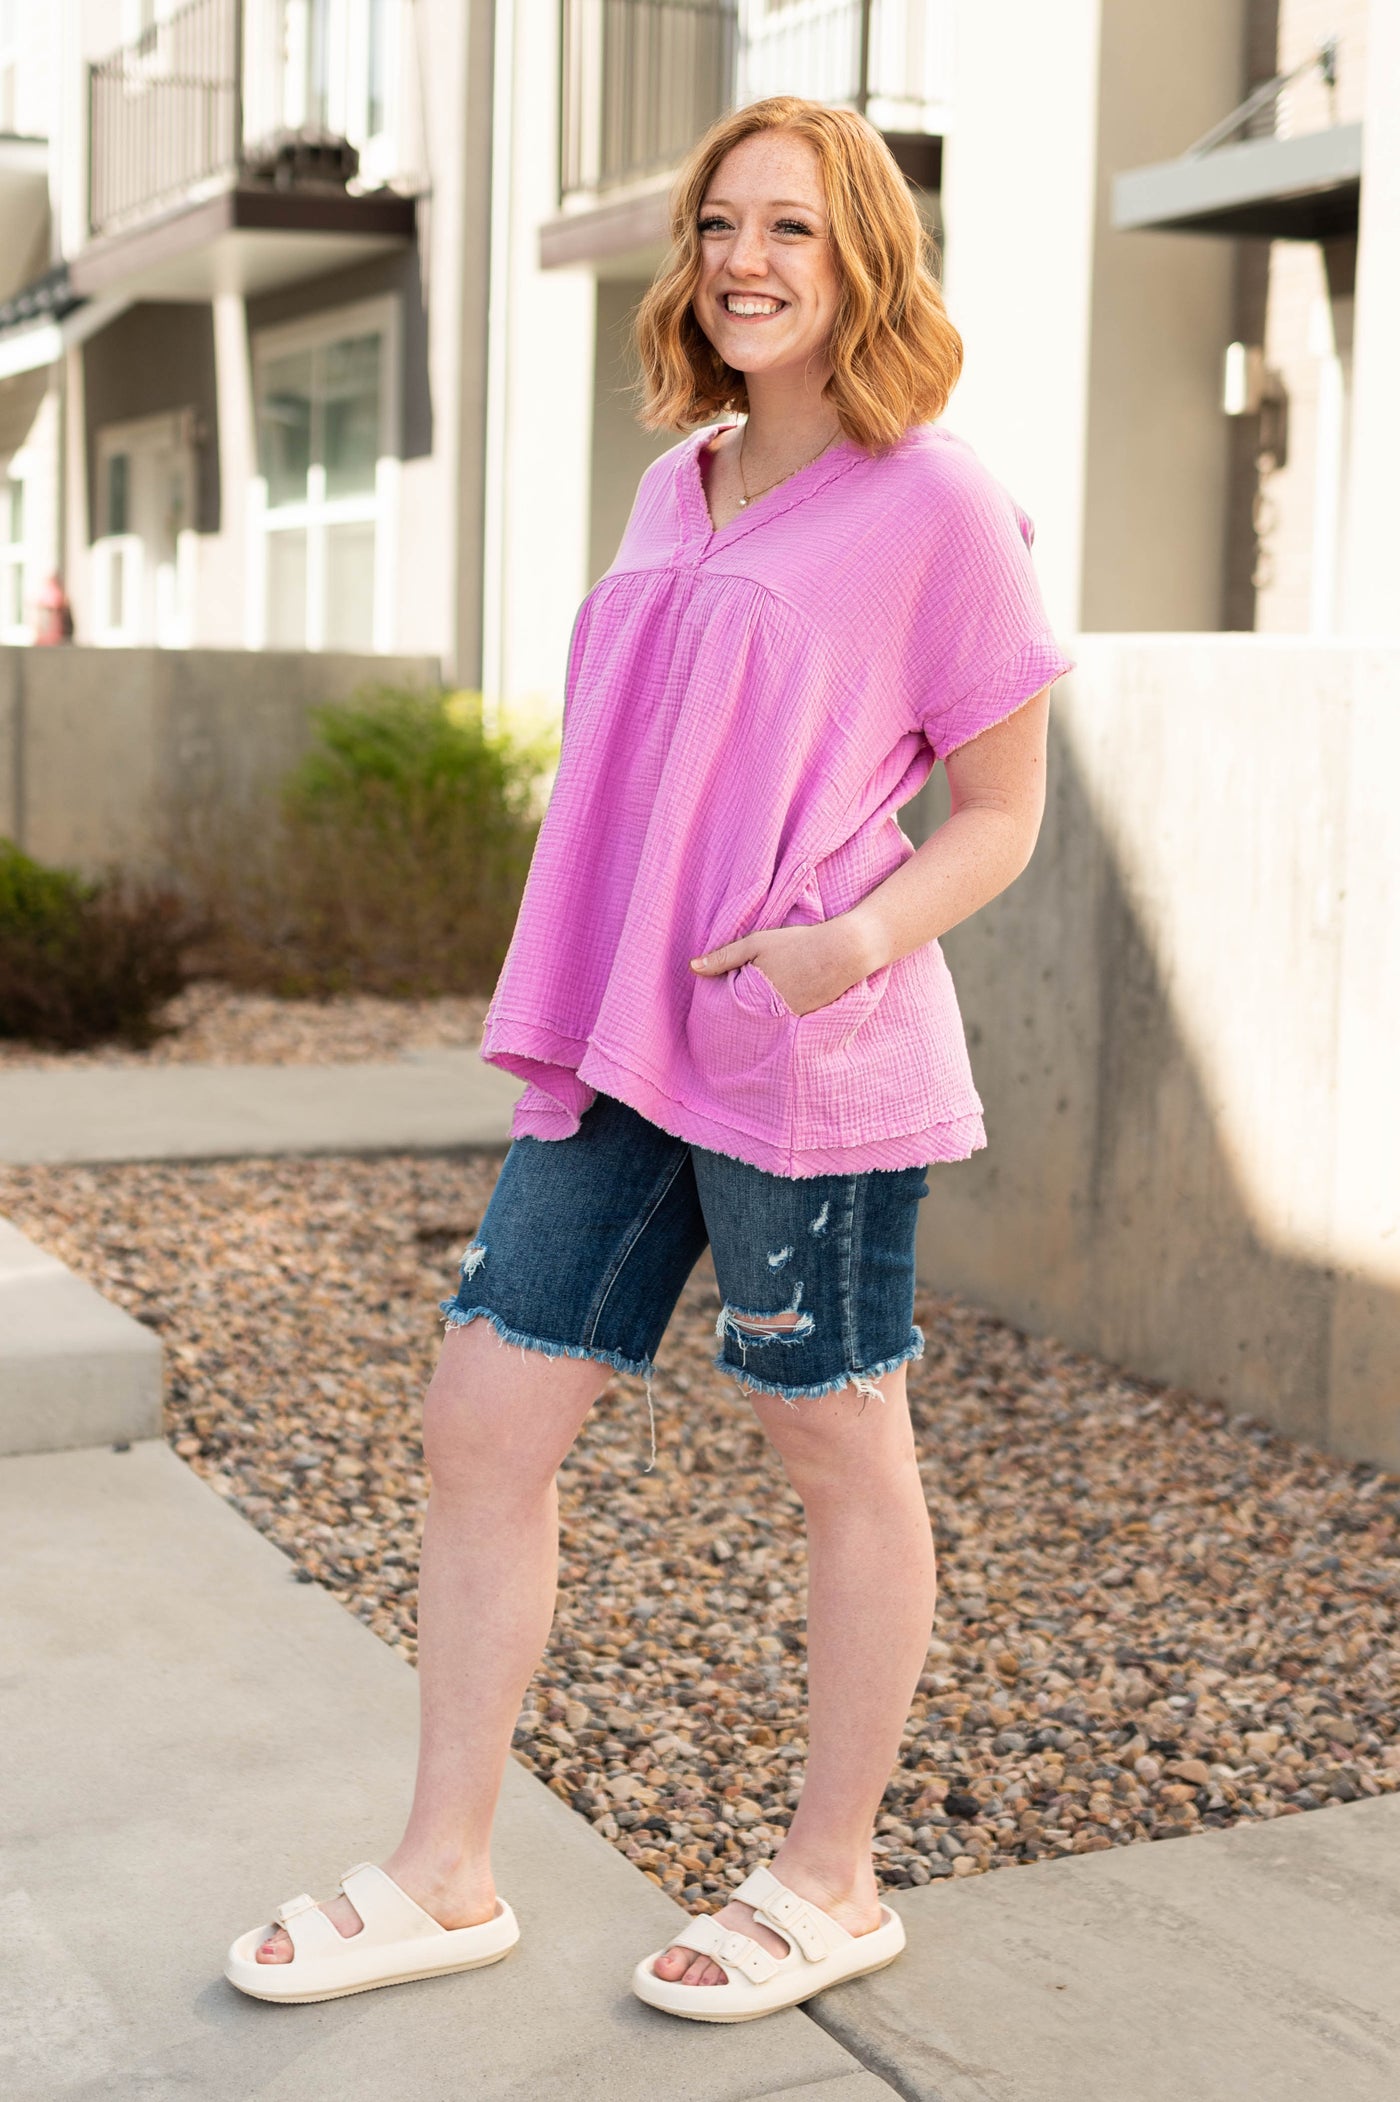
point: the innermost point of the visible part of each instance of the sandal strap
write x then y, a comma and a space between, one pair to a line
311, 1933
801, 1922
729, 1948
388, 1912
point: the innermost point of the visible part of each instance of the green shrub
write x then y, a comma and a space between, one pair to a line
396, 859
82, 962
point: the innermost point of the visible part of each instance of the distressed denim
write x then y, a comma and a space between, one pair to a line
587, 1242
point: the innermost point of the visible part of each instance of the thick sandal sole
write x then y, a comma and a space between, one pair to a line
700, 2014
369, 1985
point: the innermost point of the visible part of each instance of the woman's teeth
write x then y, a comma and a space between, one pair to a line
735, 305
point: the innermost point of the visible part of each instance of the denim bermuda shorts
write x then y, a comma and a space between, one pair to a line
588, 1241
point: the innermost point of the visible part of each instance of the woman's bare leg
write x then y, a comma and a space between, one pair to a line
497, 1422
872, 1586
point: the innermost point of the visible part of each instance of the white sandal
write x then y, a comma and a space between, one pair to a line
821, 1952
398, 1941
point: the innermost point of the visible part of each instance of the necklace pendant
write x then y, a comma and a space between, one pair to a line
742, 502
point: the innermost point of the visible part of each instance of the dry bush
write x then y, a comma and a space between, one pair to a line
87, 962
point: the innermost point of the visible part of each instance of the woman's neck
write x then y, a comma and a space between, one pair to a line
788, 418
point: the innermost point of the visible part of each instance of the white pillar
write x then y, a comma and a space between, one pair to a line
226, 616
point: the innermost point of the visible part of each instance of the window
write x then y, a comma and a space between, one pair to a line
13, 624
325, 499
337, 60
143, 559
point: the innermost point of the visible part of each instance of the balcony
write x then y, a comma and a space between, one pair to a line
640, 80
222, 157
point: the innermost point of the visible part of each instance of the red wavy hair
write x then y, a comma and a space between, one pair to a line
895, 355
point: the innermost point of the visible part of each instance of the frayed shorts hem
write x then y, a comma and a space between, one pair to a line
456, 1316
860, 1378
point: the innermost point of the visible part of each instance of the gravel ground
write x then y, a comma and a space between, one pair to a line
1152, 1618
211, 1024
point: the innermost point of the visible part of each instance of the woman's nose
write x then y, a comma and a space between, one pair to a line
750, 250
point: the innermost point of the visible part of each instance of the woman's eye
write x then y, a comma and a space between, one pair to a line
712, 226
793, 226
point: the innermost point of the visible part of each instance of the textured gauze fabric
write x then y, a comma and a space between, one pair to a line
745, 711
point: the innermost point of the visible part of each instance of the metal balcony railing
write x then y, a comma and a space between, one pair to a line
640, 80
165, 112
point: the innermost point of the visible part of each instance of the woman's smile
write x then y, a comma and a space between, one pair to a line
751, 306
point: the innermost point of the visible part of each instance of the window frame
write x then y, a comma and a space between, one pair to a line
383, 316
347, 33
125, 436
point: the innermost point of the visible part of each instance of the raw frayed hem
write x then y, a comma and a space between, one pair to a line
455, 1316
863, 1381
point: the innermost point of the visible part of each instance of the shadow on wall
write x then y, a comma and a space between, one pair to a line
1175, 1034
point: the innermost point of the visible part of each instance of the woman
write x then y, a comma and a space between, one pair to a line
726, 995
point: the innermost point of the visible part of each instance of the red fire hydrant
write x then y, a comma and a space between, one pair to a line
54, 615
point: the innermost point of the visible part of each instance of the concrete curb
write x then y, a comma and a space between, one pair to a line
74, 1369
431, 1101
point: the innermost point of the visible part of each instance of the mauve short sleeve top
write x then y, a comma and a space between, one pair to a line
745, 711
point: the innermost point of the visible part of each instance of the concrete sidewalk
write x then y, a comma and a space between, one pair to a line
427, 1101
188, 1736
1256, 1964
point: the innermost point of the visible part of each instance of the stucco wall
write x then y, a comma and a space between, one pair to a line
1183, 1020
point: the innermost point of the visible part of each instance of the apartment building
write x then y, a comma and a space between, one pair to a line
313, 313
242, 320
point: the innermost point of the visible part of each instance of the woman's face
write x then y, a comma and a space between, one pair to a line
769, 289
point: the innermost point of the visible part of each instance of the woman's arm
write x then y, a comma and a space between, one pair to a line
997, 786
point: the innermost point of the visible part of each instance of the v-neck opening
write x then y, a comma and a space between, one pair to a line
793, 489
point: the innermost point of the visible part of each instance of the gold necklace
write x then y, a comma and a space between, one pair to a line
748, 496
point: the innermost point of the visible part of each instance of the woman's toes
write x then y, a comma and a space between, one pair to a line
277, 1948
682, 1966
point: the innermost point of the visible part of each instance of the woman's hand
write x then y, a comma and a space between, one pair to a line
808, 967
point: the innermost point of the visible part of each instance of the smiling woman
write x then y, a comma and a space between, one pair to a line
726, 997
790, 201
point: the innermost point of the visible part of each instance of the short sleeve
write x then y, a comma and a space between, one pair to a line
989, 644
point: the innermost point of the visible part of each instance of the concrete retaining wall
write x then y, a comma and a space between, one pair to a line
1184, 1022
102, 749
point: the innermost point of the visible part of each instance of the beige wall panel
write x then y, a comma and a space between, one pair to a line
621, 448
1370, 599
1159, 322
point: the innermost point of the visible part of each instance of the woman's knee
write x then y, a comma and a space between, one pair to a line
834, 1446
494, 1411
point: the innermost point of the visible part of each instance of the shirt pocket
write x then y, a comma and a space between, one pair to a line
740, 1036
888, 1057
